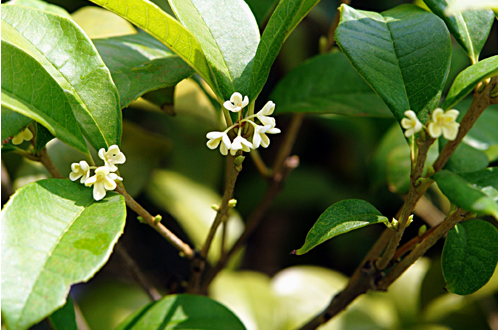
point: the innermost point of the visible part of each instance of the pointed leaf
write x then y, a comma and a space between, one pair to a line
13, 122
472, 196
470, 28
183, 311
54, 234
327, 84
469, 256
341, 218
282, 22
403, 53
229, 47
42, 137
22, 75
149, 17
140, 64
64, 318
69, 56
469, 78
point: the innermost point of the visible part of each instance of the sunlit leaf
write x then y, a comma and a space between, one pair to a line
54, 234
457, 6
39, 4
101, 23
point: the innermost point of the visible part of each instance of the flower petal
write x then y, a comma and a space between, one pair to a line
434, 130
75, 175
245, 102
98, 191
229, 106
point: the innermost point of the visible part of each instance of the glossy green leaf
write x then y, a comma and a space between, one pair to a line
139, 64
54, 234
39, 4
261, 9
484, 178
282, 22
21, 76
68, 55
466, 159
12, 122
64, 318
164, 98
469, 78
183, 311
101, 23
470, 28
469, 256
229, 36
327, 84
153, 20
42, 137
403, 53
480, 198
456, 6
341, 218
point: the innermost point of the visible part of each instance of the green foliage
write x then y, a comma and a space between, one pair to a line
140, 64
39, 4
470, 256
341, 218
327, 84
470, 28
469, 78
183, 312
229, 47
61, 237
12, 122
393, 61
42, 137
64, 318
466, 159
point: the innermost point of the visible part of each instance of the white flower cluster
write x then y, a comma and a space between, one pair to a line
236, 104
441, 123
103, 179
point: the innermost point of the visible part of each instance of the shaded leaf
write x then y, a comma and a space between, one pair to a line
183, 312
164, 98
468, 195
403, 53
68, 55
470, 28
468, 79
64, 318
469, 256
466, 159
139, 64
229, 47
54, 234
101, 23
327, 84
282, 22
42, 137
12, 122
261, 9
341, 218
21, 75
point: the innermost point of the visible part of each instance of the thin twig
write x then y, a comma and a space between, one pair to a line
49, 165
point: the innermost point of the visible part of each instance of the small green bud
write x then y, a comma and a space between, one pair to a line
141, 219
410, 220
238, 162
393, 225
232, 203
422, 230
215, 207
157, 219
322, 44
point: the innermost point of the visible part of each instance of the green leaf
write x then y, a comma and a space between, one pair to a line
149, 17
469, 78
68, 55
341, 218
12, 122
39, 4
140, 64
64, 318
183, 311
469, 256
54, 234
465, 159
327, 84
470, 28
468, 195
484, 178
21, 76
456, 6
229, 47
101, 23
282, 22
261, 9
42, 137
164, 98
403, 54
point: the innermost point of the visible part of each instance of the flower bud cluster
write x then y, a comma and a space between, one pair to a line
103, 179
25, 135
441, 123
240, 142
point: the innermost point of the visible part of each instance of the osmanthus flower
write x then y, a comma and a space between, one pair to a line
80, 170
411, 124
444, 123
236, 102
25, 135
214, 140
102, 180
260, 137
111, 157
240, 143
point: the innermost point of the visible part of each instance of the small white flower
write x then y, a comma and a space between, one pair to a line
260, 137
214, 140
267, 109
111, 157
236, 103
25, 135
81, 169
240, 143
411, 124
444, 123
102, 181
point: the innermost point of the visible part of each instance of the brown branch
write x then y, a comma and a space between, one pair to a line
184, 248
335, 23
49, 165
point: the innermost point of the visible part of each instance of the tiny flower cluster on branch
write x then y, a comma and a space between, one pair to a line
24, 135
103, 179
441, 123
242, 131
